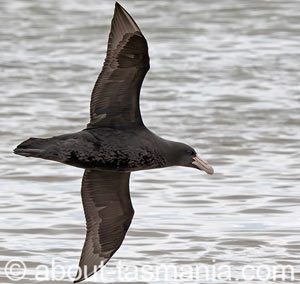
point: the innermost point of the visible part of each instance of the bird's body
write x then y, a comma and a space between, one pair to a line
114, 144
103, 149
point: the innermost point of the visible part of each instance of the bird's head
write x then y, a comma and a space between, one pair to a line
187, 157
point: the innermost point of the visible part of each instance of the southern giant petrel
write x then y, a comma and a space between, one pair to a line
114, 144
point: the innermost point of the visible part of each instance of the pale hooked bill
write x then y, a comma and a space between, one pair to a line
203, 165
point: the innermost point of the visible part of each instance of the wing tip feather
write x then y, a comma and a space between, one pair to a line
122, 15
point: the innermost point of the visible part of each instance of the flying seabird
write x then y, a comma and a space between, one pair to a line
114, 143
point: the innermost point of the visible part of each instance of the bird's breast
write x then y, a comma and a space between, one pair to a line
126, 159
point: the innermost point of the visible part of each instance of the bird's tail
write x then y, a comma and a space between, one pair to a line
32, 147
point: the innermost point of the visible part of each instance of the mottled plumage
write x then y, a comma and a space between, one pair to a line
113, 144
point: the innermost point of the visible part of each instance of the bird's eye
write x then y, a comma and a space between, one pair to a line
191, 152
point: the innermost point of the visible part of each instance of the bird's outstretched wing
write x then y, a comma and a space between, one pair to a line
108, 211
115, 97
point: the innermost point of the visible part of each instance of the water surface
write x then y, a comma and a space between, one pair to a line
224, 78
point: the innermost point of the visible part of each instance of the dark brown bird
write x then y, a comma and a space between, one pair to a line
114, 144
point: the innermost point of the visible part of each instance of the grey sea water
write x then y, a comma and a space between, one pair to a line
224, 78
